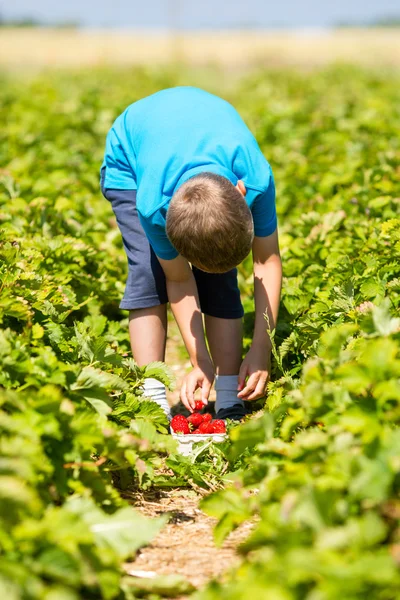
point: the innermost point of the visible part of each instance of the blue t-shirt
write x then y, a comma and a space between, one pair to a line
161, 141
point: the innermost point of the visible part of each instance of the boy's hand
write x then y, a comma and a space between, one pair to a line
256, 366
202, 376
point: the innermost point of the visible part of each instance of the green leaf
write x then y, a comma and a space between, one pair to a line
55, 563
250, 434
384, 323
371, 288
9, 589
161, 372
354, 377
332, 340
372, 482
125, 531
90, 378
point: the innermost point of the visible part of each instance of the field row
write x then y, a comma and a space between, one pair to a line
318, 471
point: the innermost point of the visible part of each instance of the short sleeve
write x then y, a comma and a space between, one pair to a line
158, 239
119, 168
264, 211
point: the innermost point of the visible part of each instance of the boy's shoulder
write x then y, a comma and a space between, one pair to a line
180, 93
182, 105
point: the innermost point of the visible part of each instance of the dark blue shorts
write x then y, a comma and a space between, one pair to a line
145, 287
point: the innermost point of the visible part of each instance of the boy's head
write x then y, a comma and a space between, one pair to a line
209, 223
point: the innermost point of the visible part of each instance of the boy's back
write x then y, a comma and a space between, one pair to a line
161, 141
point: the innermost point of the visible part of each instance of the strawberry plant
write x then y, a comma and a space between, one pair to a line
319, 470
73, 418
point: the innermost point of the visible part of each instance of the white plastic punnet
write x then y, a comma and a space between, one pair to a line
185, 442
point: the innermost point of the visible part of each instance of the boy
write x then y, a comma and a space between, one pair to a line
192, 195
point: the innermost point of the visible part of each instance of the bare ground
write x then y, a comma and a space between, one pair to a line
185, 546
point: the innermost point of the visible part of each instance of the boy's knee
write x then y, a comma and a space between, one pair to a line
158, 310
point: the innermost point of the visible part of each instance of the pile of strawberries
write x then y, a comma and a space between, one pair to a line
197, 423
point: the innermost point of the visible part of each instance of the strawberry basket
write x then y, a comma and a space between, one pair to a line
186, 441
196, 428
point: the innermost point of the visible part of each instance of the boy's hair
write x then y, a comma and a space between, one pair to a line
209, 223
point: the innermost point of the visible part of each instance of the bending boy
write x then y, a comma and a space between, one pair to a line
193, 195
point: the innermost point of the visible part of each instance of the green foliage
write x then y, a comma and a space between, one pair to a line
319, 470
323, 479
73, 419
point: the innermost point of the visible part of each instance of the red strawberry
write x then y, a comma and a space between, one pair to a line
179, 424
205, 428
206, 418
195, 419
198, 405
218, 426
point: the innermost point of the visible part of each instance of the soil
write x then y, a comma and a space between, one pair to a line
185, 546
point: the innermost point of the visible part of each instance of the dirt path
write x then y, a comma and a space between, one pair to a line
185, 546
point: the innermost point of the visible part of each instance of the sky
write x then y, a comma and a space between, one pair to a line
201, 13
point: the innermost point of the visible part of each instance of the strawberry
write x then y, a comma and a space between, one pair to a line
198, 405
206, 418
194, 420
205, 428
179, 424
218, 426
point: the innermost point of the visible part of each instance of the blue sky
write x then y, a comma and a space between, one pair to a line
201, 13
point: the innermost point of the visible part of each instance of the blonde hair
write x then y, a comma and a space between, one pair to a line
210, 224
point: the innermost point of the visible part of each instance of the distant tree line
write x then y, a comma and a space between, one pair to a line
388, 21
31, 22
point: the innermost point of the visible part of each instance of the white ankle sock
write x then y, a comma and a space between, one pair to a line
155, 390
226, 388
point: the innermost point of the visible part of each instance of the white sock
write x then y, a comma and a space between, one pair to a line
226, 388
156, 391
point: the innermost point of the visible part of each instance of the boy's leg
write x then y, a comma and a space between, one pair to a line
148, 334
145, 293
220, 302
225, 340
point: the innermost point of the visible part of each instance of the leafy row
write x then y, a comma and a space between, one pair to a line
321, 471
73, 419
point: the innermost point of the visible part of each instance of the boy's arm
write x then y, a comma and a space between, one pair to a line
267, 290
184, 301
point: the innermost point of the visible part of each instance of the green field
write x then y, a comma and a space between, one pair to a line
318, 471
